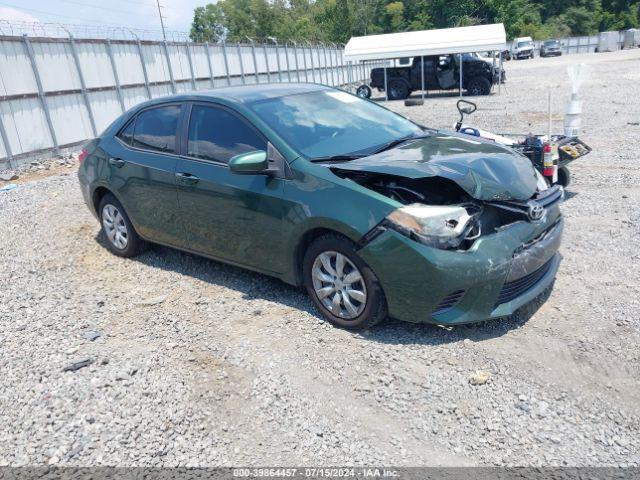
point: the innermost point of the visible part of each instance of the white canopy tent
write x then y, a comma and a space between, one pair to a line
477, 38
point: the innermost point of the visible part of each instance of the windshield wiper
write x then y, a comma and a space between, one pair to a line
337, 158
398, 141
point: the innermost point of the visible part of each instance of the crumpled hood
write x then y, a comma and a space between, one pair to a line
483, 169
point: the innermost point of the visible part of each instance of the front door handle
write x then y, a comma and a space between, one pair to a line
187, 178
117, 162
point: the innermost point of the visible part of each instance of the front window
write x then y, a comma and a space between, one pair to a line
218, 135
526, 43
552, 43
328, 123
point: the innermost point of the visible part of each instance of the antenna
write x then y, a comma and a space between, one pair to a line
164, 36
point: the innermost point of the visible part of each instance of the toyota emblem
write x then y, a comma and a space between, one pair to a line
536, 211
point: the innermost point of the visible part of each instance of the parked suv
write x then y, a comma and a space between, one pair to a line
522, 48
373, 214
550, 48
441, 72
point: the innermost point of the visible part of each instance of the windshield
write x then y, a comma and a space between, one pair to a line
551, 43
330, 123
526, 43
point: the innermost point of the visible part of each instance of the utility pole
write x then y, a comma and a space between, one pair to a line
164, 35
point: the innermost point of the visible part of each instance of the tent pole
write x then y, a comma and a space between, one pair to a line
460, 71
500, 75
386, 86
422, 75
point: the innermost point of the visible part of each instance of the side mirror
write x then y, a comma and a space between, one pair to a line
251, 163
466, 107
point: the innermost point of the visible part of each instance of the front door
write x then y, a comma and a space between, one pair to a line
232, 217
142, 165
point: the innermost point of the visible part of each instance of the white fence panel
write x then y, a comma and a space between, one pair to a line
26, 125
95, 64
57, 61
128, 63
70, 118
16, 73
105, 107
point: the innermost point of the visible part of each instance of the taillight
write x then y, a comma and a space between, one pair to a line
83, 155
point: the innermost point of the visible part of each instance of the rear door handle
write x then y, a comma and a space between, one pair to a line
116, 162
187, 178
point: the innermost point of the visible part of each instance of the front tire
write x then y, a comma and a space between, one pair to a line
343, 287
479, 86
117, 230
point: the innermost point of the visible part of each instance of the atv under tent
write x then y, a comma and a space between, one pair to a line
459, 40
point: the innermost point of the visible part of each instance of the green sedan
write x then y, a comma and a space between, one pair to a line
374, 215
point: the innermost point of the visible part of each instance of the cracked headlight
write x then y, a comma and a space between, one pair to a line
440, 226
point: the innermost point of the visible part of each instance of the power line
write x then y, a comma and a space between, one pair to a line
161, 21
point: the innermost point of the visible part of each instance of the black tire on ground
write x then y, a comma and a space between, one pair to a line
397, 90
479, 86
363, 91
375, 309
564, 177
134, 244
412, 102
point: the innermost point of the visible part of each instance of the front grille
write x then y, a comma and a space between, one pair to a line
448, 302
547, 199
515, 288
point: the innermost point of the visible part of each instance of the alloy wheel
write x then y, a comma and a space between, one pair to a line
115, 227
339, 285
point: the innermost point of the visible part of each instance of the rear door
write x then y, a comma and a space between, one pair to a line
233, 217
142, 167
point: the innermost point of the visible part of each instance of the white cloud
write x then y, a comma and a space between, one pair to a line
14, 15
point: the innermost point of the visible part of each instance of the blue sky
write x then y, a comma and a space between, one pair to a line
129, 13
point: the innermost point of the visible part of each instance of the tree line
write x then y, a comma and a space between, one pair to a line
335, 21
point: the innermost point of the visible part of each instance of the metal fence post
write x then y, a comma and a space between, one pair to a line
266, 60
319, 62
275, 40
226, 62
83, 86
144, 69
313, 67
295, 55
304, 58
43, 101
240, 61
115, 75
286, 54
208, 52
5, 141
255, 61
166, 53
193, 75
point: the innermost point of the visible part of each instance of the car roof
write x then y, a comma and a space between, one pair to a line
246, 93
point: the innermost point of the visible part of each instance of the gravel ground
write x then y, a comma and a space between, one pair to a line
194, 363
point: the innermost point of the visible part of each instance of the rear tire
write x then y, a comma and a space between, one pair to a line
343, 288
397, 90
117, 230
479, 86
564, 177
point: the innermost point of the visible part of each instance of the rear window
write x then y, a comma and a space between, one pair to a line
153, 129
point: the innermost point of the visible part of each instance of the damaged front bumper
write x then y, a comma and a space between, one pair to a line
496, 276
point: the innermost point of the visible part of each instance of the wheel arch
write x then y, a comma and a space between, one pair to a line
303, 243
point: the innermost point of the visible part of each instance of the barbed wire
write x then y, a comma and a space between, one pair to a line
62, 30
